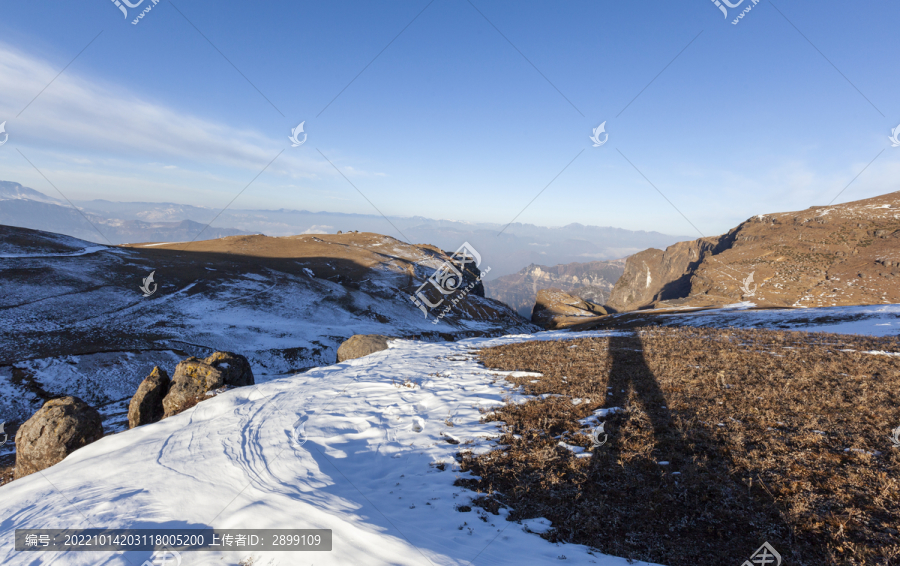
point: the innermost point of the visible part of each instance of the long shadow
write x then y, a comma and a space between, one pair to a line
671, 493
629, 370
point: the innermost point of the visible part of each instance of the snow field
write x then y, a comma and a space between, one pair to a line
349, 447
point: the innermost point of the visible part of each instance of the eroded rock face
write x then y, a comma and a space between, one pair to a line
655, 275
591, 281
147, 404
59, 428
554, 309
193, 377
360, 345
847, 254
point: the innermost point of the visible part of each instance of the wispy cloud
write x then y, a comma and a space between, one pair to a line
82, 115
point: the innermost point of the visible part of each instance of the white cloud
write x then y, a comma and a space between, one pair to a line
80, 115
319, 229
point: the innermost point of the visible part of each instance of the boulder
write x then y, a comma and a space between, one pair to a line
554, 309
360, 345
147, 404
194, 377
59, 428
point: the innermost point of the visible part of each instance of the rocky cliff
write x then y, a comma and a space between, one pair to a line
591, 281
847, 254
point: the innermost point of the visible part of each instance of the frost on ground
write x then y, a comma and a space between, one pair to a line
377, 468
871, 320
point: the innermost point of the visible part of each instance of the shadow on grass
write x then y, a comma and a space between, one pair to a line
678, 499
667, 487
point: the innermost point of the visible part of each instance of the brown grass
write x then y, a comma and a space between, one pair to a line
755, 423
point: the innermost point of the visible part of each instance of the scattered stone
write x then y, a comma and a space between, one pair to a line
147, 404
360, 345
194, 377
57, 429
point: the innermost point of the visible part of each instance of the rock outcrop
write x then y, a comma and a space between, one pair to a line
655, 275
591, 281
847, 254
360, 345
194, 377
555, 309
57, 429
147, 404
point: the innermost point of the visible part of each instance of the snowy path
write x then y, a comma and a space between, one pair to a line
364, 470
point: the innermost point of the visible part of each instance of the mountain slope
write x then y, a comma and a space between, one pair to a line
74, 320
846, 254
591, 281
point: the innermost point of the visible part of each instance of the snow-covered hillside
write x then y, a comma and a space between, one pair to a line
73, 318
353, 447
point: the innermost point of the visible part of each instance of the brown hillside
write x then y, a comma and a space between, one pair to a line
847, 254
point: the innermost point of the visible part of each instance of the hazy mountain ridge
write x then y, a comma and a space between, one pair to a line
508, 252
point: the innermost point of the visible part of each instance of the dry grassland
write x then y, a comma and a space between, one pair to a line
769, 436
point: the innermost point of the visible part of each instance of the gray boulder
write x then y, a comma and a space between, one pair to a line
56, 430
360, 345
193, 377
147, 404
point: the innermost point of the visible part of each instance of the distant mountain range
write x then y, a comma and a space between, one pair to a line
26, 208
518, 246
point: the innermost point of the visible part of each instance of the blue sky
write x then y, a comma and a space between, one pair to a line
450, 120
